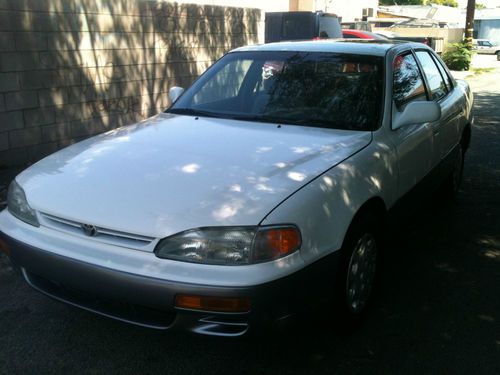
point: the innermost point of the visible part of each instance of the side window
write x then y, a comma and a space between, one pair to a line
408, 83
444, 74
329, 27
437, 86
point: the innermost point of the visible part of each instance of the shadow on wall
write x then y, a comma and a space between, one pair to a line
81, 68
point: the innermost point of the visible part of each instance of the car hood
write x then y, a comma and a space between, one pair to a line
173, 172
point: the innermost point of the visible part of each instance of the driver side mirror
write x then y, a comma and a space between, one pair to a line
174, 93
417, 113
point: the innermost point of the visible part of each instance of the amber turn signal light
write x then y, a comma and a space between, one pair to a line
275, 243
216, 304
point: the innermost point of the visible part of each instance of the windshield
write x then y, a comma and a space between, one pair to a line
312, 89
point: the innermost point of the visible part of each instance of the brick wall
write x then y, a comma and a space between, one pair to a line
71, 69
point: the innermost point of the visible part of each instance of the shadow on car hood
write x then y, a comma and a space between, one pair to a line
172, 173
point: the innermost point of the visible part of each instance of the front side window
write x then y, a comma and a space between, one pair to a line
408, 84
437, 86
329, 90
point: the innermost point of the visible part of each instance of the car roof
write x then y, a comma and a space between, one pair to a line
369, 34
361, 46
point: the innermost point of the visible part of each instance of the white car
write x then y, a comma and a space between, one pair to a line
260, 191
486, 47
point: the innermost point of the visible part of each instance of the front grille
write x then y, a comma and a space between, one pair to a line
105, 235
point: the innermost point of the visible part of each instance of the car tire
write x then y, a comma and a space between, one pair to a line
453, 181
356, 278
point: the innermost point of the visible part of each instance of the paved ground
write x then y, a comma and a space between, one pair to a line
437, 310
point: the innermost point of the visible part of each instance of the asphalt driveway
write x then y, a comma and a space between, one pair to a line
437, 309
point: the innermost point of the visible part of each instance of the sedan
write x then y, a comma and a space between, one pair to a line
260, 192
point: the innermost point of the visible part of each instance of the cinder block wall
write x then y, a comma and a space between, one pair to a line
71, 69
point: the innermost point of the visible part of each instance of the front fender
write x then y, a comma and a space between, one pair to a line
324, 208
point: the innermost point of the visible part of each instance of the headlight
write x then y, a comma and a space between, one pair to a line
18, 205
230, 245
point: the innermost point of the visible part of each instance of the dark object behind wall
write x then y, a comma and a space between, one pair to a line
301, 26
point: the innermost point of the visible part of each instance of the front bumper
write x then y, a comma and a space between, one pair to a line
149, 301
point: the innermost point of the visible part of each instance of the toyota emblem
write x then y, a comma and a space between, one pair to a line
89, 230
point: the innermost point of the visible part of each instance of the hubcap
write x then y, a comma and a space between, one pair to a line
361, 273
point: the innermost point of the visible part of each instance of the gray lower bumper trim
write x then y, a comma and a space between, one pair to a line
149, 302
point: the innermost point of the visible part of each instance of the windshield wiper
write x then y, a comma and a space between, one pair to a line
193, 112
276, 119
267, 118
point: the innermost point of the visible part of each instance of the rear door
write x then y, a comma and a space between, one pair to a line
440, 88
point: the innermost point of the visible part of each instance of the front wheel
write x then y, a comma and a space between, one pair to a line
361, 273
357, 273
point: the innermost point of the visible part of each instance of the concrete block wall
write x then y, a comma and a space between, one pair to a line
70, 69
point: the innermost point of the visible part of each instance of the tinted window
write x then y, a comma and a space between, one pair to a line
312, 89
436, 83
408, 83
444, 74
329, 27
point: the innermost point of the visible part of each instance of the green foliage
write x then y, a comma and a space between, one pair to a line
458, 56
480, 6
450, 3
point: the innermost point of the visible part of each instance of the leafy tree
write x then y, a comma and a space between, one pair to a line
450, 3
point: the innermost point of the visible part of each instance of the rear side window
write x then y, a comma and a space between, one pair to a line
437, 85
408, 83
444, 74
329, 27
